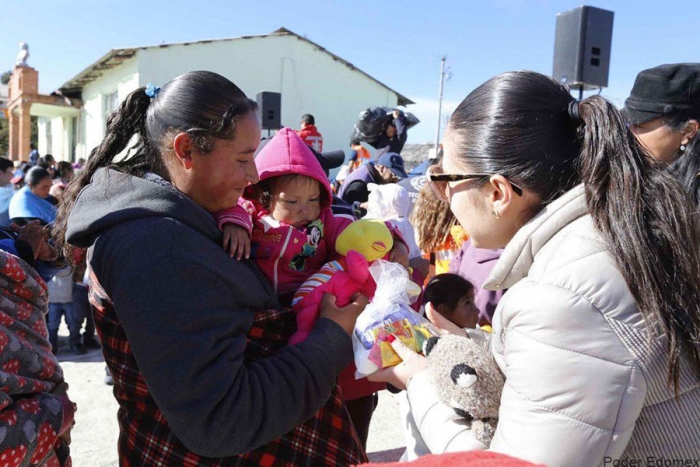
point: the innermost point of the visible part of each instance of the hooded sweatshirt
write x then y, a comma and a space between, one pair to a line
286, 254
183, 308
355, 186
391, 203
311, 136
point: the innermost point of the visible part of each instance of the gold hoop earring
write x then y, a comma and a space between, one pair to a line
497, 214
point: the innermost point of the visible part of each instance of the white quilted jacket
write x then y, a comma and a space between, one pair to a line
583, 387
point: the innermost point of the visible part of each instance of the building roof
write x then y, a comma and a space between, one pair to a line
115, 57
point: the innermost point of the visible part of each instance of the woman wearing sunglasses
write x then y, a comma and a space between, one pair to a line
598, 335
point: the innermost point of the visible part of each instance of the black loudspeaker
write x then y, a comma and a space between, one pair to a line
269, 110
582, 47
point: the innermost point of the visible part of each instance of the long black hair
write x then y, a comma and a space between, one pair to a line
202, 103
687, 165
527, 127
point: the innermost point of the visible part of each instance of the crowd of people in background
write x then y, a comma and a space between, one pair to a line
561, 235
30, 195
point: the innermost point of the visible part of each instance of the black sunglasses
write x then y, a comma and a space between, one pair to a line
462, 177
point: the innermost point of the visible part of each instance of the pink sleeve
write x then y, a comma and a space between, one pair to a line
307, 311
335, 226
237, 215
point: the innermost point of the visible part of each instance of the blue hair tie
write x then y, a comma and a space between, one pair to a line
152, 90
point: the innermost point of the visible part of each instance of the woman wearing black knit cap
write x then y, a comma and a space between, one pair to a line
663, 110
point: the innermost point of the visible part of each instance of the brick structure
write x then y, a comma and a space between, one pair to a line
24, 89
24, 93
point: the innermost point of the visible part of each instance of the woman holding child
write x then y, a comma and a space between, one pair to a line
195, 340
598, 335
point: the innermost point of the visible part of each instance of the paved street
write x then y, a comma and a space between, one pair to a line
96, 431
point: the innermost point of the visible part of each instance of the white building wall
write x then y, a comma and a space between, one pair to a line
57, 139
59, 145
67, 143
42, 127
94, 123
81, 143
122, 79
310, 80
55, 131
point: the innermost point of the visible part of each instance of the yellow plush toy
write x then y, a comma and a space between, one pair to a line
369, 237
361, 243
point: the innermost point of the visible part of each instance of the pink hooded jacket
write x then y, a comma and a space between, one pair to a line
285, 254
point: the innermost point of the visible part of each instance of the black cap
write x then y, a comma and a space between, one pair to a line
664, 90
329, 160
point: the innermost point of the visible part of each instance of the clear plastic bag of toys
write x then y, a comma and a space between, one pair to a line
388, 313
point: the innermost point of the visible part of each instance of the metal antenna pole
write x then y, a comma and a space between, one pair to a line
442, 80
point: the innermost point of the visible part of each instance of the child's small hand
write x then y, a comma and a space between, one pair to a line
236, 241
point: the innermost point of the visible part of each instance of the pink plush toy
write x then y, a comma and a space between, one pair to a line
360, 244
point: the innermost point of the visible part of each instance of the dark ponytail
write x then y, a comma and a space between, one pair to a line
202, 103
649, 227
526, 126
129, 120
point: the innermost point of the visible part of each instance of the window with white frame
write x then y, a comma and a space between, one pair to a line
111, 102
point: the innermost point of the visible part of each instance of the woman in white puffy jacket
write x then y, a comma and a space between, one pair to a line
598, 335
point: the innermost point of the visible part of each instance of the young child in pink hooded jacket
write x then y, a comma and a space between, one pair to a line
286, 215
285, 222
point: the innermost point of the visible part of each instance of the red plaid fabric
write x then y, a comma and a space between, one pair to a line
145, 436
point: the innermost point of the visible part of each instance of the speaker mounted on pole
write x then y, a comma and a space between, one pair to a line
582, 47
269, 110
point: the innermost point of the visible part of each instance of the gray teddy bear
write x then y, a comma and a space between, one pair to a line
468, 380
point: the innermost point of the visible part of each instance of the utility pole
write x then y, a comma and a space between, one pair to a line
442, 81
